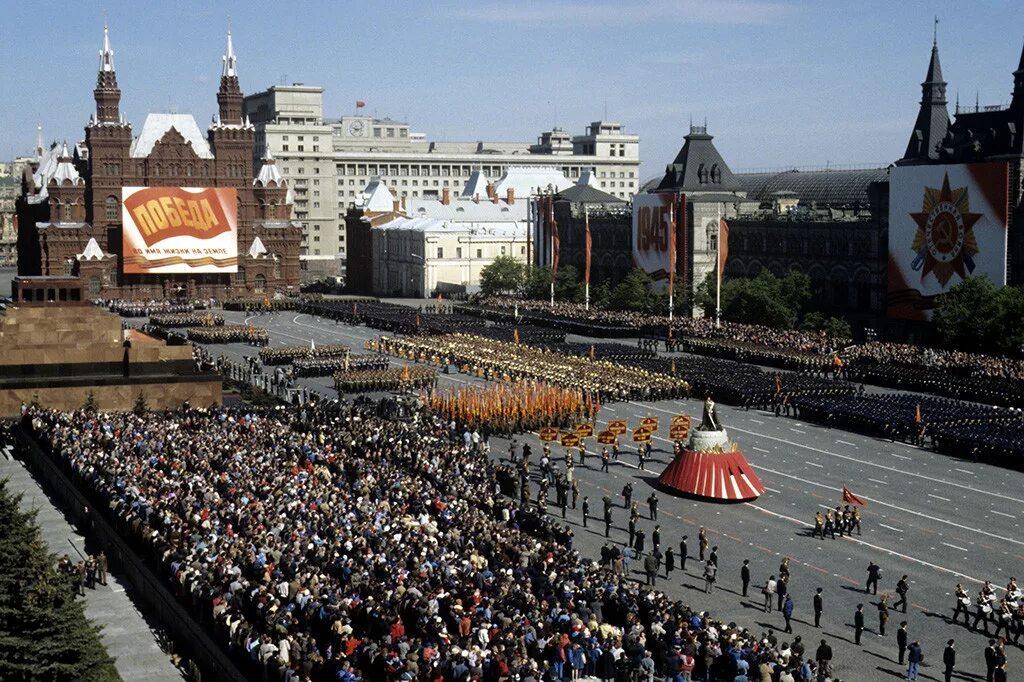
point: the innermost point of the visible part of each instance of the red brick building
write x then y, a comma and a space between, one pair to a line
69, 210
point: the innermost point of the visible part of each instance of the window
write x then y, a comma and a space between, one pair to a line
301, 138
94, 286
391, 132
316, 237
284, 147
440, 252
479, 253
67, 213
284, 138
502, 249
403, 132
458, 252
376, 132
302, 148
110, 209
317, 181
316, 171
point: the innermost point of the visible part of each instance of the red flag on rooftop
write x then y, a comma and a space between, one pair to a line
850, 498
360, 104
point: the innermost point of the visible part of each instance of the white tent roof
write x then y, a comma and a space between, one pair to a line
66, 170
157, 125
476, 186
376, 197
269, 172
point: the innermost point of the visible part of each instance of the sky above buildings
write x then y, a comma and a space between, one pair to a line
780, 83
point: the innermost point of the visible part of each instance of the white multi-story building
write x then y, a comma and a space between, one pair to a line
434, 245
328, 162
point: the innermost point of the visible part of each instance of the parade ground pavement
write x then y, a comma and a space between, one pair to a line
938, 519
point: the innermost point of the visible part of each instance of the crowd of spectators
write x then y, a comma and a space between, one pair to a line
325, 543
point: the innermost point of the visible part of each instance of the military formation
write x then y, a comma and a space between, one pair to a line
286, 355
326, 366
188, 319
230, 333
146, 308
840, 521
490, 359
407, 378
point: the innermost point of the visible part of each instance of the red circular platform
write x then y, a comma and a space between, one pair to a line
724, 476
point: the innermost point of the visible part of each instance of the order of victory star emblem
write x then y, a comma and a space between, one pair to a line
945, 242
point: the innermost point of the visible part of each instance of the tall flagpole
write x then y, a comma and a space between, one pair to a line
718, 272
671, 257
586, 285
550, 218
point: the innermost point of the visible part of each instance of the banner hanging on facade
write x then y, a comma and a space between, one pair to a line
946, 223
169, 230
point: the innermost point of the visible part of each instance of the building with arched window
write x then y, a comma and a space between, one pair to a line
69, 208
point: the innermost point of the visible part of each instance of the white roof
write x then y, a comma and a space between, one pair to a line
376, 197
468, 211
525, 180
47, 167
257, 249
66, 170
476, 185
268, 172
92, 251
157, 125
480, 230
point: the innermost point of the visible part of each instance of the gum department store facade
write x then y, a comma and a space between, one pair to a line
69, 210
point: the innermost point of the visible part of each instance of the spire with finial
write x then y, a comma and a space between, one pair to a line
229, 60
933, 117
39, 140
106, 54
1018, 83
229, 96
107, 93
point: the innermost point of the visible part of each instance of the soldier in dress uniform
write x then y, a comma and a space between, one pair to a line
819, 525
702, 542
962, 601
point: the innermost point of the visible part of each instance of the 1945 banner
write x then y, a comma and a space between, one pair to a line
653, 237
179, 230
946, 223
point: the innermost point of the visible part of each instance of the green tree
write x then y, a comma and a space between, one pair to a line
834, 327
977, 316
764, 299
634, 292
504, 275
599, 294
44, 634
141, 406
568, 285
538, 283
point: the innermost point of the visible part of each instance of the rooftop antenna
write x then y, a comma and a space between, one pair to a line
958, 101
935, 32
977, 103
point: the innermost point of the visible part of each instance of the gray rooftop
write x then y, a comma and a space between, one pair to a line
822, 188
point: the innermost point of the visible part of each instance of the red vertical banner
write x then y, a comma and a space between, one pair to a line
683, 243
723, 247
587, 243
555, 247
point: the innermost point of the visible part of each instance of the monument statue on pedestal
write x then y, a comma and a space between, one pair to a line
710, 420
